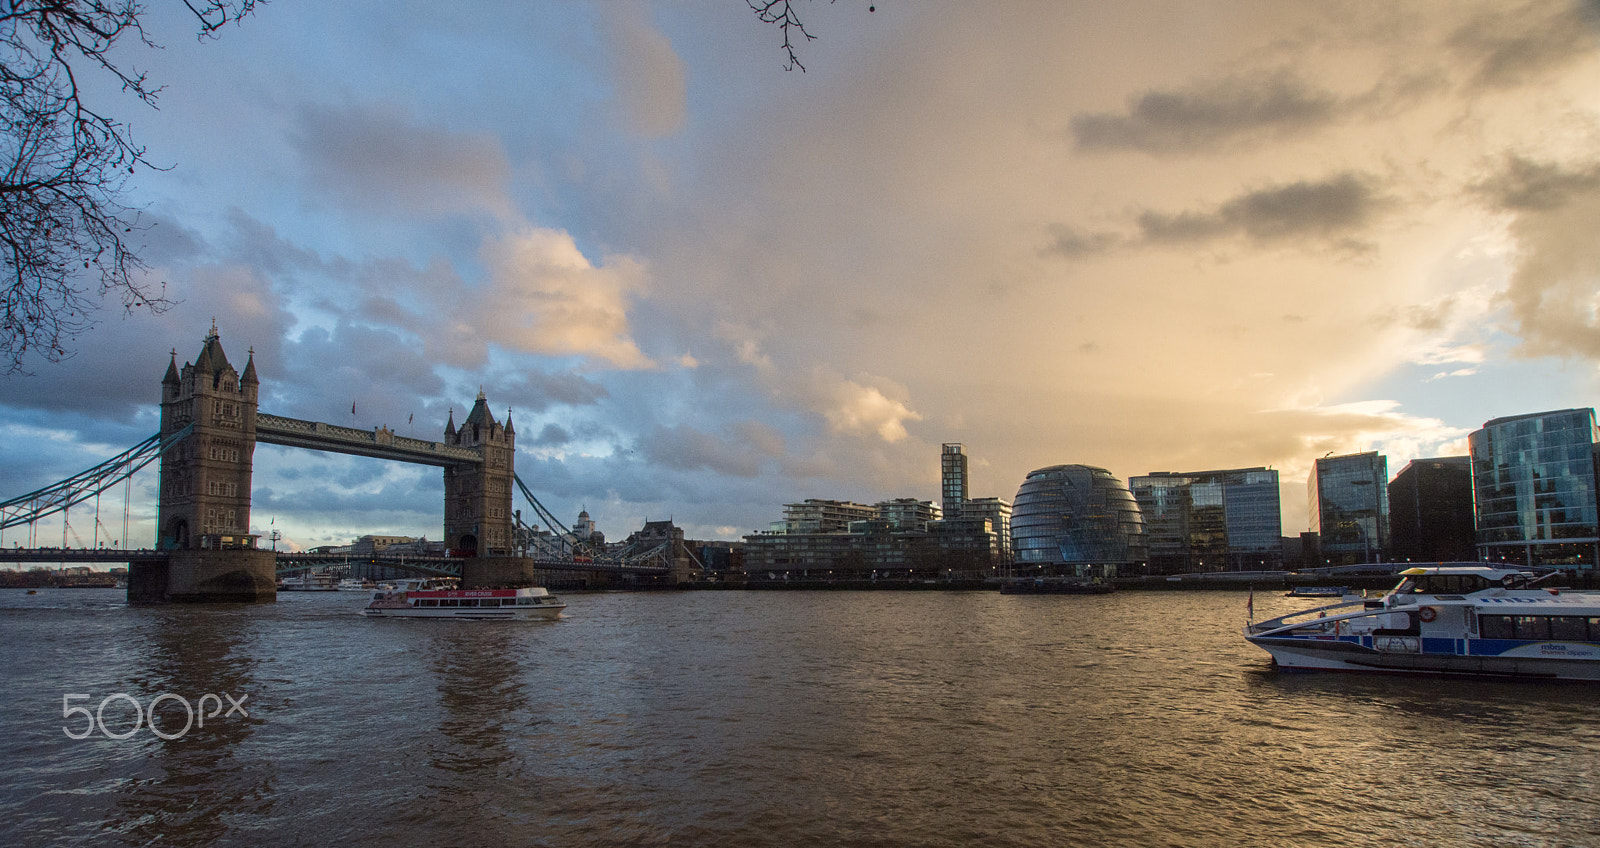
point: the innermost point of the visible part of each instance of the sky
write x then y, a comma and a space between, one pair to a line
1144, 236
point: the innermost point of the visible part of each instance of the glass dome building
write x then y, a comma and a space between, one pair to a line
1076, 520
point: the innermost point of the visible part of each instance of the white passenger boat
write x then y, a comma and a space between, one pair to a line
1450, 619
316, 581
507, 604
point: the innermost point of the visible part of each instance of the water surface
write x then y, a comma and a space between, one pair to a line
766, 718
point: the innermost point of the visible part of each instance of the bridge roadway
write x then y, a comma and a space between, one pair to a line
289, 562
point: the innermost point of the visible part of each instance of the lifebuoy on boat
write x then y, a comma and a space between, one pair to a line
1427, 613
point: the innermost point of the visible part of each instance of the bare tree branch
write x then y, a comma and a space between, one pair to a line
782, 13
63, 167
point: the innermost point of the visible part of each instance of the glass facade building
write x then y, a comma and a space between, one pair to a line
1211, 520
1075, 520
953, 476
1349, 507
1430, 511
1534, 484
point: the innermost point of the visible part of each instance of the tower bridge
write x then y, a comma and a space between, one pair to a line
210, 425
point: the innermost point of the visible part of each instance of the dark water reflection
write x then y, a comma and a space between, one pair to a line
739, 718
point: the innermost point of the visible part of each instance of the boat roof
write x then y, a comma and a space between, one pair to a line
1480, 570
479, 593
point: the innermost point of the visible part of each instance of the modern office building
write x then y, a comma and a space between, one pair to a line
953, 476
907, 513
816, 515
874, 550
1430, 511
1211, 520
998, 513
1076, 520
1348, 500
1534, 484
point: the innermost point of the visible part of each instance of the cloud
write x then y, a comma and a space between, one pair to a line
379, 159
1334, 212
647, 74
1524, 185
545, 297
742, 452
537, 391
1330, 211
857, 408
1240, 109
1513, 46
1554, 292
1074, 243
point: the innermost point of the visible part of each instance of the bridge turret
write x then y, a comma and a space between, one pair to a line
477, 509
205, 478
170, 383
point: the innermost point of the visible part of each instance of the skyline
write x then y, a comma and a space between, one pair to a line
1148, 237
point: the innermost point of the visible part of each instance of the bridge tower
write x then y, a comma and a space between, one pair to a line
205, 479
203, 516
477, 496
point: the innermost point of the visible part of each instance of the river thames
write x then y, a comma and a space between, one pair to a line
760, 718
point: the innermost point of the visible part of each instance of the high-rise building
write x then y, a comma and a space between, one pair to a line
953, 473
1534, 484
1075, 520
1430, 511
1211, 520
1349, 507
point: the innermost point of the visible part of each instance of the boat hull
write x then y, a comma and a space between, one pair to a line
1406, 655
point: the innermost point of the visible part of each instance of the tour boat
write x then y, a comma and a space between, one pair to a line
1449, 619
316, 581
506, 604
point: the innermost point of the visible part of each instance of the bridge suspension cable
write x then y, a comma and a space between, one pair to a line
560, 543
58, 497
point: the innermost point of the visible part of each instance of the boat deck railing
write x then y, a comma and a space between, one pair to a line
1316, 616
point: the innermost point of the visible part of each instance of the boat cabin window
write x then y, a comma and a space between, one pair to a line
1444, 584
427, 602
1567, 628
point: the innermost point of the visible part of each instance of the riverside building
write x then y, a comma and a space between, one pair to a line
1076, 520
953, 477
1534, 484
1430, 511
1348, 500
1211, 520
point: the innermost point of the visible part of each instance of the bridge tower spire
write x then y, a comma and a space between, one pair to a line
477, 496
